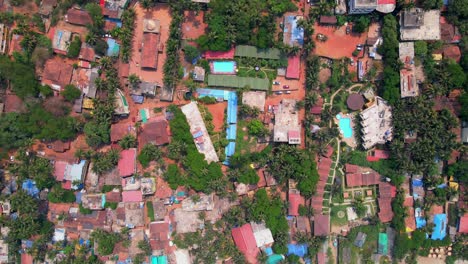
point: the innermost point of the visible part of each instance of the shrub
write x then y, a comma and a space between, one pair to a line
111, 205
71, 93
74, 48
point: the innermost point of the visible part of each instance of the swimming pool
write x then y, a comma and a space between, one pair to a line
223, 67
345, 126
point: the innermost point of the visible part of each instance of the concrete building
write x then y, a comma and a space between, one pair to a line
408, 84
417, 24
287, 127
362, 6
376, 123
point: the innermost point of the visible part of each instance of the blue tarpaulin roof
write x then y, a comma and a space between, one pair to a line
231, 132
297, 33
138, 99
440, 226
417, 183
113, 48
78, 197
230, 149
231, 118
29, 186
297, 249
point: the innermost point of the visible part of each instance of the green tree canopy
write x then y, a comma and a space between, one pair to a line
71, 93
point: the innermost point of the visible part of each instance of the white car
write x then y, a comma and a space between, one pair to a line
279, 92
276, 83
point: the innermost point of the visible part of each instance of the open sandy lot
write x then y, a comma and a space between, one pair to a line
339, 44
162, 13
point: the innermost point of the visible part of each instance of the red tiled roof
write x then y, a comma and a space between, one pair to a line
321, 225
57, 73
59, 169
127, 162
294, 134
385, 209
109, 26
78, 17
15, 44
60, 146
462, 204
149, 52
410, 220
218, 55
26, 259
132, 196
293, 70
328, 19
350, 168
409, 201
114, 197
87, 53
463, 226
355, 101
245, 241
154, 132
360, 179
386, 2
316, 110
294, 201
119, 130
452, 52
13, 104
321, 258
67, 185
159, 232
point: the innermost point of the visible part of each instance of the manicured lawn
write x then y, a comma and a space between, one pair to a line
369, 247
335, 220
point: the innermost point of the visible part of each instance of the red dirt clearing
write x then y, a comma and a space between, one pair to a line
217, 110
193, 26
339, 44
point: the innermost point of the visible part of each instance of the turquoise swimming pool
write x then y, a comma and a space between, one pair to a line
223, 67
345, 126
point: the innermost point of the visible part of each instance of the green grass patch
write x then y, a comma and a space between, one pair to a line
244, 142
150, 210
369, 247
335, 220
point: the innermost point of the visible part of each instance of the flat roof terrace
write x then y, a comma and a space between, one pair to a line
422, 25
198, 129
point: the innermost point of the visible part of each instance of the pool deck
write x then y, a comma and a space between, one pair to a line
351, 141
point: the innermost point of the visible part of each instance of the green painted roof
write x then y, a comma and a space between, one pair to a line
383, 244
254, 52
274, 259
232, 81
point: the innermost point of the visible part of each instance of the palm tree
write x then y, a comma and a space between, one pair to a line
134, 80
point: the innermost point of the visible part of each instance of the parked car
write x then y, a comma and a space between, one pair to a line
285, 86
276, 83
351, 61
279, 92
287, 92
348, 30
321, 37
359, 47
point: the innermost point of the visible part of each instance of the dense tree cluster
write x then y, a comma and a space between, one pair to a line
105, 161
243, 22
434, 136
210, 245
203, 176
74, 48
20, 75
389, 50
149, 153
17, 129
125, 34
289, 162
97, 130
105, 241
30, 166
260, 208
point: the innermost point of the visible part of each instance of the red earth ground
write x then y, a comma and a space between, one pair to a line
217, 110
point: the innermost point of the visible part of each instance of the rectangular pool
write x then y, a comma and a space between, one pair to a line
223, 67
345, 126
